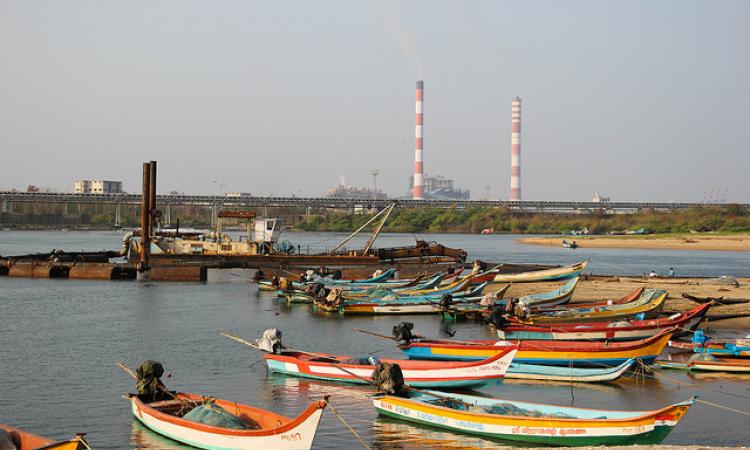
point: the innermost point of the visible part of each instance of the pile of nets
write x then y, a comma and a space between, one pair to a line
216, 416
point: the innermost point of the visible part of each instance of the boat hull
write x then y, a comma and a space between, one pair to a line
560, 273
295, 434
520, 371
553, 353
643, 329
419, 374
639, 427
32, 441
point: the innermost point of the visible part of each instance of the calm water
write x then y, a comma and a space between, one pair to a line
60, 340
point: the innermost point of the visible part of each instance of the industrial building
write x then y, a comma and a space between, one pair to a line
97, 187
440, 188
352, 192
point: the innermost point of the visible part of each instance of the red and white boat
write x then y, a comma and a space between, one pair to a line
418, 374
265, 429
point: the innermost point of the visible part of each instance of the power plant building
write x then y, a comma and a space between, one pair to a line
440, 188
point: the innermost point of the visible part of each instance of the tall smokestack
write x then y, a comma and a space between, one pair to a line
417, 192
515, 150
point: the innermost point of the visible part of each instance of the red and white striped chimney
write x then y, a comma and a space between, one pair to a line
515, 150
417, 192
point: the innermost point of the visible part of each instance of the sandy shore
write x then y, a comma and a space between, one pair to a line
617, 287
735, 243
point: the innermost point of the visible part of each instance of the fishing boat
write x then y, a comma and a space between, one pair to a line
426, 374
532, 423
551, 353
259, 429
710, 363
560, 273
403, 306
647, 306
556, 297
23, 440
701, 343
568, 374
685, 322
633, 296
707, 363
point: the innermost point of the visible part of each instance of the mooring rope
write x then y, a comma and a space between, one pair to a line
716, 405
346, 424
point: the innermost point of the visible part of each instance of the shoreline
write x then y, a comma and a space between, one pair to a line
726, 243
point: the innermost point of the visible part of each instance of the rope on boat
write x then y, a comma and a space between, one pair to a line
716, 405
85, 444
346, 424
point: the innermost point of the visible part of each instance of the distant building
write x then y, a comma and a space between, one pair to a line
441, 188
599, 199
344, 191
97, 187
32, 188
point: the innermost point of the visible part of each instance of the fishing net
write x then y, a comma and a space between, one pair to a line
148, 378
389, 379
214, 415
402, 332
446, 300
502, 409
361, 361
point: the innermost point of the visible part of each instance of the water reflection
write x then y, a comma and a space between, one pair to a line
143, 438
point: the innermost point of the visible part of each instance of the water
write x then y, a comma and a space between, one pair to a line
60, 340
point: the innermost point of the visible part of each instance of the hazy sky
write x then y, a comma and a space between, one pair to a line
639, 100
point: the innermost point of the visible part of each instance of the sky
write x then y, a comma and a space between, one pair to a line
638, 100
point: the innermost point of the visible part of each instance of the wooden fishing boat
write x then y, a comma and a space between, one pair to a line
613, 331
710, 363
400, 305
533, 423
265, 429
559, 273
633, 296
23, 440
555, 297
706, 363
568, 374
553, 353
438, 374
701, 343
648, 305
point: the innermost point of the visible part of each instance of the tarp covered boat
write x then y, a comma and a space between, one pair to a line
533, 423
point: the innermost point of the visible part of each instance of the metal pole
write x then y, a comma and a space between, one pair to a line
152, 196
145, 225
